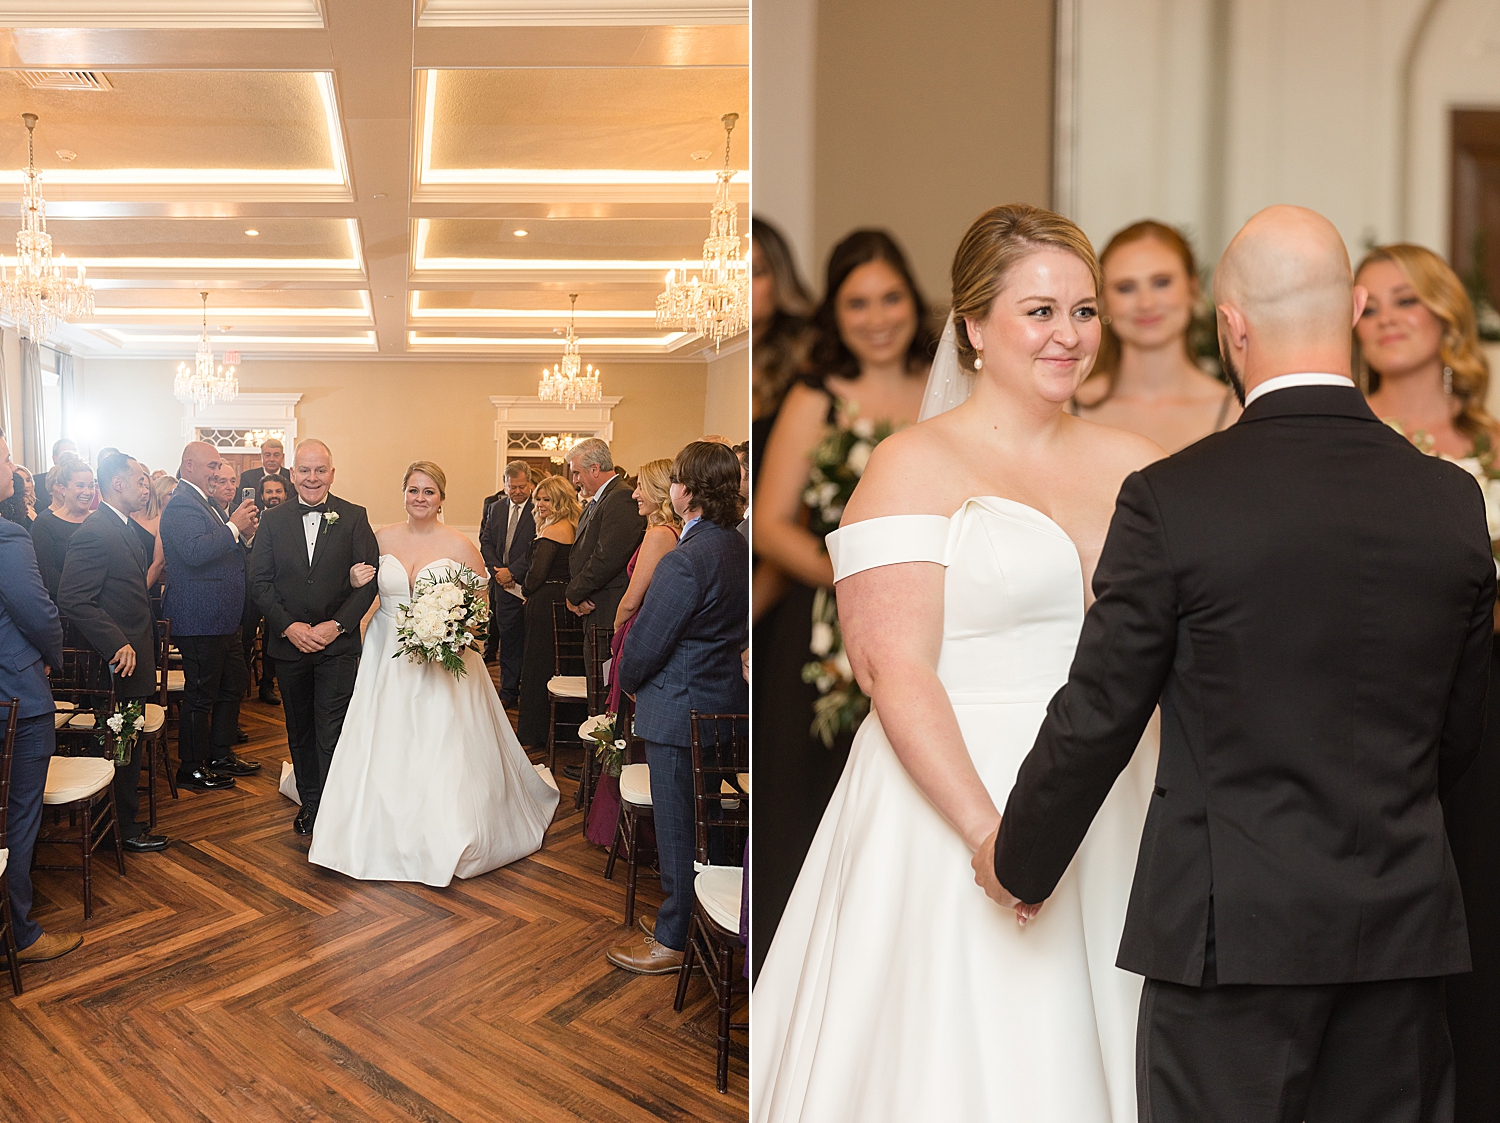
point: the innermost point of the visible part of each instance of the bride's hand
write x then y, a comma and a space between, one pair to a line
361, 574
984, 876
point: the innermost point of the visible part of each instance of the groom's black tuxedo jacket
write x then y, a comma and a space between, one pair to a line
1310, 598
287, 588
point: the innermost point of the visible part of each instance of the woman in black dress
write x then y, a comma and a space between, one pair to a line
1424, 371
72, 487
557, 512
870, 355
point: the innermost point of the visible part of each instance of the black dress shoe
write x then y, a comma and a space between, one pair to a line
240, 736
201, 778
146, 843
270, 698
232, 765
303, 823
572, 771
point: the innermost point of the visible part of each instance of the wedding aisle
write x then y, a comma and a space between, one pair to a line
228, 980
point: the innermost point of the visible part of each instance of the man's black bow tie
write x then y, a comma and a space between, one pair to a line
308, 508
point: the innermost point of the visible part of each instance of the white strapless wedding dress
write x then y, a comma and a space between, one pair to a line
895, 990
428, 781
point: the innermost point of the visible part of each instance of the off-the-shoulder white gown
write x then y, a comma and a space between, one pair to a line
895, 990
428, 781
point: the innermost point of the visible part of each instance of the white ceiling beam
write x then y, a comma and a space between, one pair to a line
117, 49
492, 47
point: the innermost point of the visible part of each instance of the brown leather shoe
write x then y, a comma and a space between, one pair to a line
645, 957
49, 946
647, 924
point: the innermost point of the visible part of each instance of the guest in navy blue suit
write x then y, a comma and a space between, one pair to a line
505, 538
205, 600
683, 653
31, 640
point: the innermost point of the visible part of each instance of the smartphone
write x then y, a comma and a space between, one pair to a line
246, 494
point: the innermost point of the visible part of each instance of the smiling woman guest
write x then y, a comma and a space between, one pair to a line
1419, 356
873, 344
557, 510
1145, 379
72, 486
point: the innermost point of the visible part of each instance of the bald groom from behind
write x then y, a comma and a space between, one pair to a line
1310, 599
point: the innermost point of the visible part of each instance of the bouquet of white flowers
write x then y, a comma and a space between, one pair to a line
447, 615
125, 723
600, 729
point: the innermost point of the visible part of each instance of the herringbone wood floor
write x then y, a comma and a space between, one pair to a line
227, 980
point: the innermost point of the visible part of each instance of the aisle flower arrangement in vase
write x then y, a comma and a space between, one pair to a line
610, 750
446, 616
838, 462
125, 725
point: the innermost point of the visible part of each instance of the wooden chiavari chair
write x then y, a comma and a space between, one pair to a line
721, 803
567, 689
80, 777
596, 691
155, 732
635, 809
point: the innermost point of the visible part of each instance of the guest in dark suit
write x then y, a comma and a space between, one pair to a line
271, 491
31, 640
105, 595
492, 636
608, 533
204, 600
1310, 598
272, 464
683, 653
505, 541
299, 575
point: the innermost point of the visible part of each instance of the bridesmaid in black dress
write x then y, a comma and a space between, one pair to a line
557, 512
1425, 371
872, 347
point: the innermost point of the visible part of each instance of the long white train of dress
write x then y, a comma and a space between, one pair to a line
895, 990
428, 781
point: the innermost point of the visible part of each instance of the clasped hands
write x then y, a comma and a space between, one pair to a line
312, 638
583, 608
984, 876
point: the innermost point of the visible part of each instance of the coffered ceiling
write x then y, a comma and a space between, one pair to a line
374, 177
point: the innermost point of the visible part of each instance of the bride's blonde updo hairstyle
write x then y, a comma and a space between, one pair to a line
431, 471
1442, 293
992, 247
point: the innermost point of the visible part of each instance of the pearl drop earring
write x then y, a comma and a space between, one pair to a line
1448, 381
978, 363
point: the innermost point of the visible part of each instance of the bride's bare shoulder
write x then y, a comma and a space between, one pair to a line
909, 473
1112, 453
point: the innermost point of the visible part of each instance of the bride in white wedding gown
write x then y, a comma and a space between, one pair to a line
895, 990
428, 780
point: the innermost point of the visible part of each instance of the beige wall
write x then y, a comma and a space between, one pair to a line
726, 407
379, 415
926, 115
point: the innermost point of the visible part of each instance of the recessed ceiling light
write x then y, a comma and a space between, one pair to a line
520, 233
252, 233
66, 154
378, 195
390, 296
701, 154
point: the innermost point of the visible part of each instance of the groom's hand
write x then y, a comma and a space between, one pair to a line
984, 875
304, 638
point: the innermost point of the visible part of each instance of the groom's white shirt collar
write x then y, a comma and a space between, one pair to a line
1285, 381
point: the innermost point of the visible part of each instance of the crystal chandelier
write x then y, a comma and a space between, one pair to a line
206, 381
39, 293
571, 382
715, 304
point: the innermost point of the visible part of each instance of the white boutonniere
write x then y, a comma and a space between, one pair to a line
330, 518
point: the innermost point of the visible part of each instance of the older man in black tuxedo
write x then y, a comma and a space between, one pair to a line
299, 576
103, 593
609, 530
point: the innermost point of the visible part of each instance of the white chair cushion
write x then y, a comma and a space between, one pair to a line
635, 784
155, 718
744, 779
4, 861
71, 778
81, 721
176, 682
718, 891
568, 686
60, 719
